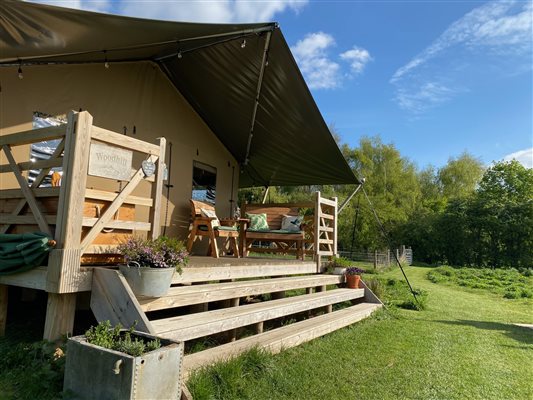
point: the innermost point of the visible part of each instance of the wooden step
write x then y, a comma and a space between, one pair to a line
197, 325
251, 270
197, 294
284, 337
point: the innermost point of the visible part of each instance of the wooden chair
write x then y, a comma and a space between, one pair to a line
202, 225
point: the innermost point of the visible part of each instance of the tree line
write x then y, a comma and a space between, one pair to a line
460, 214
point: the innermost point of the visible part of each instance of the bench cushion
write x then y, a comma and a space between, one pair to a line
274, 231
257, 221
291, 223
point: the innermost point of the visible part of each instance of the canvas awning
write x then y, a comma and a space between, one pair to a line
253, 97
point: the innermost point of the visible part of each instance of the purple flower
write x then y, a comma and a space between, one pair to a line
163, 252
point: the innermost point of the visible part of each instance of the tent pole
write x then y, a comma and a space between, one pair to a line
257, 94
267, 189
345, 202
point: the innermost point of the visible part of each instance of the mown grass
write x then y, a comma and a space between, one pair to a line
464, 345
510, 283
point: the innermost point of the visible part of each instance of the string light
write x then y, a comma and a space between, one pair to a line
20, 71
106, 63
243, 44
180, 56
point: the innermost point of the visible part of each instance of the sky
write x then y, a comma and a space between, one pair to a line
434, 78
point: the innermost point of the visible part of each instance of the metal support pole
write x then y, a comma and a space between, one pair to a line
345, 202
257, 94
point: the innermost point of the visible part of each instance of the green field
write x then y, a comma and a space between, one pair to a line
462, 346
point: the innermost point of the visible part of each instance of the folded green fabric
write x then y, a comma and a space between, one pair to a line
22, 252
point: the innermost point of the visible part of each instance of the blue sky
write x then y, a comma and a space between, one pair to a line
436, 78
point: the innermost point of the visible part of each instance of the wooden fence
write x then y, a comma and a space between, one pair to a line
381, 258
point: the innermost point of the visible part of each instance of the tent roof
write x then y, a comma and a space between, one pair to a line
290, 145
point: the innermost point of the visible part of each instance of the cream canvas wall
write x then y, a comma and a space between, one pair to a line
128, 94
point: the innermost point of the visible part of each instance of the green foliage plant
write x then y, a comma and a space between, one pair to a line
114, 338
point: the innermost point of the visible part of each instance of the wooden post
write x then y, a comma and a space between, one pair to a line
59, 315
64, 265
157, 190
64, 261
375, 259
259, 327
3, 309
317, 231
233, 333
334, 226
388, 257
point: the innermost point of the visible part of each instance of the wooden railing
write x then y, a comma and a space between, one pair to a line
83, 221
325, 220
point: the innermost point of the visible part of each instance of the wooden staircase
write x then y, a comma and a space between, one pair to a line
192, 311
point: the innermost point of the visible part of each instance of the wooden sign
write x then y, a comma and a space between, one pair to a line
110, 162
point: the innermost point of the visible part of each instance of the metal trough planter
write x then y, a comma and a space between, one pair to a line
94, 372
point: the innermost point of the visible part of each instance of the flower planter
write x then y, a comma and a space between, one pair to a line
144, 281
339, 270
93, 372
352, 281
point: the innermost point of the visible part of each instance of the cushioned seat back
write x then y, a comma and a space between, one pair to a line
274, 212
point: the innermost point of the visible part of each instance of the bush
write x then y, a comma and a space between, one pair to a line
511, 283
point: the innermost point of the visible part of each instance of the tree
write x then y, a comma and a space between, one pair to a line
459, 177
392, 186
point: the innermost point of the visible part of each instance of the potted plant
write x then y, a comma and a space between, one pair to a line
115, 363
150, 264
338, 265
353, 276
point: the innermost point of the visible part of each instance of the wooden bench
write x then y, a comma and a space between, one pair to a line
285, 242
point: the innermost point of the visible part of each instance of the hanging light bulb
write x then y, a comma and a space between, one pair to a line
243, 44
106, 63
20, 72
180, 56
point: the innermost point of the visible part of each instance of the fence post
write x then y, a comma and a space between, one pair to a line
375, 259
388, 257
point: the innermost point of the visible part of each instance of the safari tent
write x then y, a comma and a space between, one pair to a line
226, 101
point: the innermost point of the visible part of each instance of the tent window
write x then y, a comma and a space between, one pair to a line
43, 150
204, 182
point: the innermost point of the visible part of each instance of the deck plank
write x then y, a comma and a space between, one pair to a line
198, 294
192, 326
282, 338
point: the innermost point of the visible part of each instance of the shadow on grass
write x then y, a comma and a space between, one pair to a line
518, 333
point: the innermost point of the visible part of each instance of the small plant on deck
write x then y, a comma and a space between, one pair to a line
163, 252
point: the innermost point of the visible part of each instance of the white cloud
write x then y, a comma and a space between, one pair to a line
221, 11
358, 58
498, 33
524, 157
88, 5
311, 54
428, 95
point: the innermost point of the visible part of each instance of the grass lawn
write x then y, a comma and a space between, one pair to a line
462, 346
